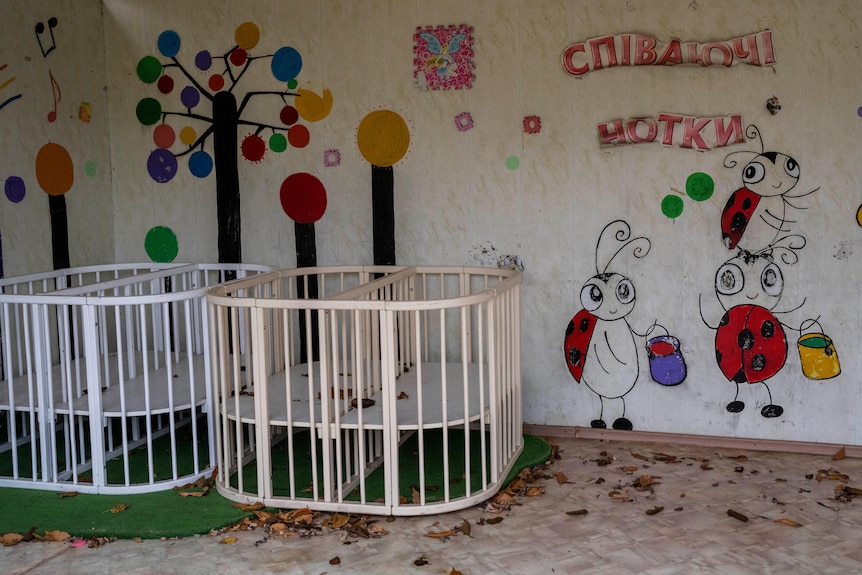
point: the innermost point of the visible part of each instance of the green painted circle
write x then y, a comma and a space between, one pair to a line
90, 168
149, 111
671, 206
513, 163
149, 69
699, 186
277, 143
161, 244
292, 84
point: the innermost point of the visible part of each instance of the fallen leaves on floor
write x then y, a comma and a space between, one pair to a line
118, 508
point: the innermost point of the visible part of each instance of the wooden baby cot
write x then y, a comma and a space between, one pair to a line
374, 389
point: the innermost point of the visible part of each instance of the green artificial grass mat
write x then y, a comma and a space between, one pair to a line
162, 513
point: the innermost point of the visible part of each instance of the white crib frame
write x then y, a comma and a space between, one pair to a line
137, 333
449, 338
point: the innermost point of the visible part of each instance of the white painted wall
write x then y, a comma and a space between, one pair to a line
454, 194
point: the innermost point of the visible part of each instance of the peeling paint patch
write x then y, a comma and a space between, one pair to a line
844, 250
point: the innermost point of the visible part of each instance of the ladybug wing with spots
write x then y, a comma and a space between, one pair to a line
750, 344
577, 342
736, 215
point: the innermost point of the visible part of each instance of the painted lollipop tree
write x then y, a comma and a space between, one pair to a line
224, 120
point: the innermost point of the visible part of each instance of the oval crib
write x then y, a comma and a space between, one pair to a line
104, 377
367, 389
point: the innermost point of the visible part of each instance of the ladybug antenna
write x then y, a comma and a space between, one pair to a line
751, 132
622, 232
789, 245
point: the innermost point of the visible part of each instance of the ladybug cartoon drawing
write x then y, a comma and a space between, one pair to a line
750, 341
599, 344
756, 214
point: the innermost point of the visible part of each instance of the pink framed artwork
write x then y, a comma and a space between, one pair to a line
443, 57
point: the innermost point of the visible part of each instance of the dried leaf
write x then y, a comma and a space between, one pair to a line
840, 454
503, 498
67, 493
440, 534
639, 456
630, 468
416, 495
561, 477
620, 496
10, 539
455, 572
664, 457
790, 522
654, 510
192, 493
706, 466
56, 536
534, 492
402, 395
118, 508
465, 527
335, 560
302, 516
494, 520
228, 541
337, 520
737, 515
249, 506
645, 481
375, 530
577, 512
420, 561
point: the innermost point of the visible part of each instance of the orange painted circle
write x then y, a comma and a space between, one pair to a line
383, 138
247, 35
54, 169
312, 107
298, 136
188, 135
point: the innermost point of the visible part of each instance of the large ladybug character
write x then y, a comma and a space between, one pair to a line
757, 213
599, 344
750, 341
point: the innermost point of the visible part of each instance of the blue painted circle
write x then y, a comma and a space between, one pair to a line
169, 43
286, 64
190, 97
200, 164
15, 189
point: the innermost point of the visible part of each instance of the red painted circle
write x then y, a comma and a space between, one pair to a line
164, 136
253, 148
289, 115
303, 198
165, 84
238, 57
216, 82
298, 136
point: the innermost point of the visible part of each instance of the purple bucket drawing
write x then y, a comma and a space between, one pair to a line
666, 364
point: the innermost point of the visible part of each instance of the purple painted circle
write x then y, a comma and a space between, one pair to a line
203, 60
859, 112
15, 189
162, 165
190, 97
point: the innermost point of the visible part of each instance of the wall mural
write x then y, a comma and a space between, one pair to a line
443, 57
600, 346
226, 70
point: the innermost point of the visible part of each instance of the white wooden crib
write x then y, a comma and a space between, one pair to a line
104, 377
387, 390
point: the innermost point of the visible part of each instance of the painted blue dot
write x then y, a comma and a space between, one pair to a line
169, 43
286, 64
15, 189
200, 164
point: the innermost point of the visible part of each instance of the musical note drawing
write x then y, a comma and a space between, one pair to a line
52, 115
4, 84
40, 29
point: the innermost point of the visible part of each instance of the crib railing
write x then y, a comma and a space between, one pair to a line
105, 384
396, 359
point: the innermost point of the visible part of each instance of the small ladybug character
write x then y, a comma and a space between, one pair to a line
756, 214
599, 343
750, 342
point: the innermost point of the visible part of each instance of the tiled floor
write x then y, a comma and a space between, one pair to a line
687, 530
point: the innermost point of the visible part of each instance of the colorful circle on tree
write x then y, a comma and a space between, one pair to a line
165, 84
699, 186
312, 107
238, 57
216, 82
288, 115
203, 60
513, 163
671, 206
303, 198
90, 168
190, 97
858, 215
188, 135
298, 136
383, 138
149, 69
164, 136
292, 84
161, 244
162, 165
200, 164
286, 64
169, 43
148, 111
15, 189
277, 143
54, 169
247, 35
253, 148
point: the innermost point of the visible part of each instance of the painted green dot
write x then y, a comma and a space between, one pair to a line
513, 163
161, 244
699, 186
277, 143
149, 111
292, 84
90, 168
149, 69
671, 206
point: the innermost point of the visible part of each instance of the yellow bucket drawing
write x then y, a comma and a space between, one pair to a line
818, 356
